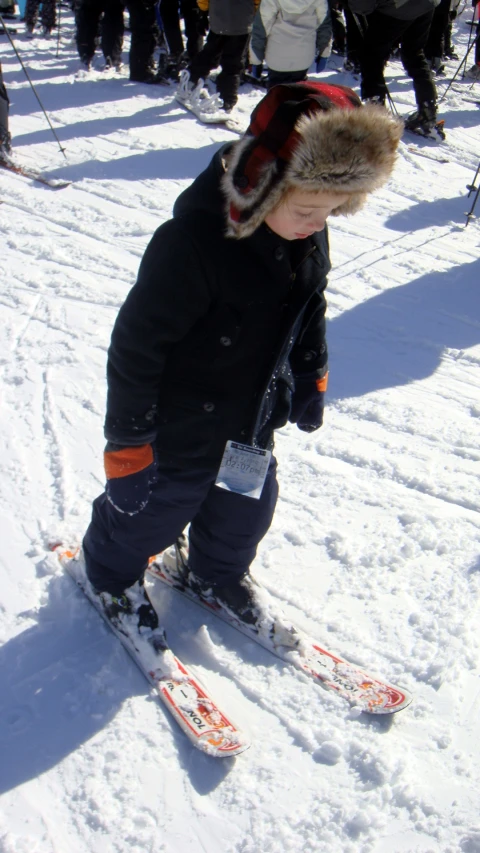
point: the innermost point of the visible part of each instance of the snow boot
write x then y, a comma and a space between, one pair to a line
115, 64
242, 600
175, 63
424, 121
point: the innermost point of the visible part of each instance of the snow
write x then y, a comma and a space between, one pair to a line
375, 544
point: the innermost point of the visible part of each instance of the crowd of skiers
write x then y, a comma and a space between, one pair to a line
270, 42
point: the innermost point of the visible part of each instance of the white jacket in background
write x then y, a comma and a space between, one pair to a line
284, 33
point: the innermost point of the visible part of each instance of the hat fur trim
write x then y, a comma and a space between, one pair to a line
343, 151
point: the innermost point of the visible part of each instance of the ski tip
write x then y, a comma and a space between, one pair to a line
222, 744
384, 700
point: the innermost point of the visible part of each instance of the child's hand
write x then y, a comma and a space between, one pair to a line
308, 402
130, 473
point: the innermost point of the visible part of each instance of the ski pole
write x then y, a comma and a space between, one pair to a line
59, 18
2, 22
472, 188
457, 72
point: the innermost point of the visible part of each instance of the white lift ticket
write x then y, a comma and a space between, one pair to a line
243, 469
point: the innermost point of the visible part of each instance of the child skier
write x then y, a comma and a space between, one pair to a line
222, 341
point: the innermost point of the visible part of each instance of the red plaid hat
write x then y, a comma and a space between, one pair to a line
314, 136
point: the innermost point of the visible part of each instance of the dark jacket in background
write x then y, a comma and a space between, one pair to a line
404, 10
230, 17
204, 347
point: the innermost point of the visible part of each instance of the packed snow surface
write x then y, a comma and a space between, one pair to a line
375, 544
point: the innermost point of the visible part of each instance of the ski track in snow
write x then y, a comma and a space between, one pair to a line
374, 549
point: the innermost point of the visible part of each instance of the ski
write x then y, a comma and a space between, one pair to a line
218, 119
425, 152
33, 175
197, 714
361, 690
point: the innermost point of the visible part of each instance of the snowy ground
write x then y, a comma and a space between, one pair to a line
374, 548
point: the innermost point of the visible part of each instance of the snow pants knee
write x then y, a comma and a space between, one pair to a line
225, 529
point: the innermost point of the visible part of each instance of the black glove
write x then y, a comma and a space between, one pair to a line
130, 473
308, 402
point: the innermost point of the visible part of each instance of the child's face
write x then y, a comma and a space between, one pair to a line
302, 213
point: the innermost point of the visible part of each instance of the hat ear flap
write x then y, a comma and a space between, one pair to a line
247, 206
238, 189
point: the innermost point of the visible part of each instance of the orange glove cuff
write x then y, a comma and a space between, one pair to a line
322, 383
129, 460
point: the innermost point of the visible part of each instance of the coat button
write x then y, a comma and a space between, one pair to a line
279, 253
209, 407
309, 355
225, 342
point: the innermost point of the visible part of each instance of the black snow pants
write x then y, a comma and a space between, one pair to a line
225, 529
143, 27
383, 33
171, 12
88, 15
435, 46
227, 51
47, 14
4, 134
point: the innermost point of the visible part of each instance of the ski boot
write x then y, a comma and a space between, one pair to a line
424, 122
242, 601
5, 148
131, 610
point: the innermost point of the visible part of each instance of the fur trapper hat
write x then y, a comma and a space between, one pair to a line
310, 136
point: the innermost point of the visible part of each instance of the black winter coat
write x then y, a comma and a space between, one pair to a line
231, 17
404, 10
204, 346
